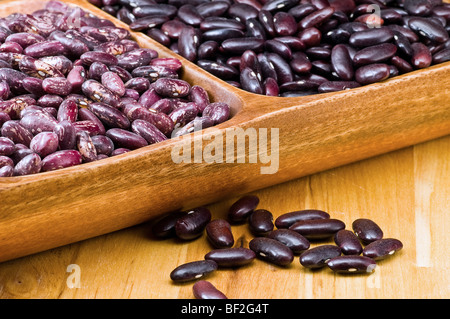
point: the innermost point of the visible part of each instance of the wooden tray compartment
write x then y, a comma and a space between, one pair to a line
316, 133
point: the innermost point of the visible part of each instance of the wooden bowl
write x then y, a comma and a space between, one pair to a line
315, 133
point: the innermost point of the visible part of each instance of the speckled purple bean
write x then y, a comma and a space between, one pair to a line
86, 147
103, 144
148, 131
76, 77
113, 82
45, 48
193, 270
66, 133
16, 133
57, 86
172, 87
126, 139
50, 100
68, 110
139, 84
6, 171
44, 143
30, 164
136, 58
86, 115
61, 159
60, 62
218, 111
199, 96
38, 121
99, 93
34, 86
110, 116
6, 146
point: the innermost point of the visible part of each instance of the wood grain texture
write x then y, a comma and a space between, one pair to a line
316, 133
406, 192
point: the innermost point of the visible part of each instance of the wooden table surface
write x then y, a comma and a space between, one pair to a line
406, 192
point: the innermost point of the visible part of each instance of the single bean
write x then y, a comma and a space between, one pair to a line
16, 133
136, 58
296, 242
184, 114
372, 73
193, 270
148, 22
164, 227
242, 208
260, 222
188, 42
382, 248
318, 256
371, 37
68, 110
99, 93
219, 233
6, 171
148, 131
352, 264
341, 62
316, 17
272, 251
193, 224
348, 242
421, 57
374, 54
7, 146
425, 27
318, 228
113, 82
30, 164
231, 257
367, 230
240, 45
204, 289
126, 139
288, 219
45, 48
36, 122
34, 86
219, 69
66, 133
86, 147
333, 86
57, 86
44, 143
284, 24
172, 87
109, 115
61, 159
50, 100
250, 82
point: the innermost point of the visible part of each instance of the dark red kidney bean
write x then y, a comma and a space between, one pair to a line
316, 17
219, 233
231, 257
193, 224
288, 219
271, 87
284, 24
296, 242
272, 251
193, 270
402, 65
242, 12
126, 139
441, 56
205, 290
282, 68
302, 10
310, 36
240, 45
341, 62
293, 42
318, 53
57, 86
16, 133
352, 264
421, 57
30, 164
164, 227
210, 9
374, 54
188, 42
85, 115
260, 222
367, 230
317, 257
255, 29
68, 110
173, 28
208, 50
155, 9
189, 15
218, 112
148, 22
221, 70
242, 208
334, 86
6, 146
219, 35
44, 143
393, 71
280, 48
267, 67
372, 73
148, 131
172, 87
113, 82
318, 228
276, 5
110, 116
250, 82
212, 23
403, 44
348, 242
45, 48
412, 37
61, 159
99, 93
66, 135
426, 28
371, 37
136, 58
337, 36
382, 248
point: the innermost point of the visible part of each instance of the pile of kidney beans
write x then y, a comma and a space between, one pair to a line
295, 47
75, 89
277, 242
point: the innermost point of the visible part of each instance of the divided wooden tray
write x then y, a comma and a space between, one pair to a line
315, 133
